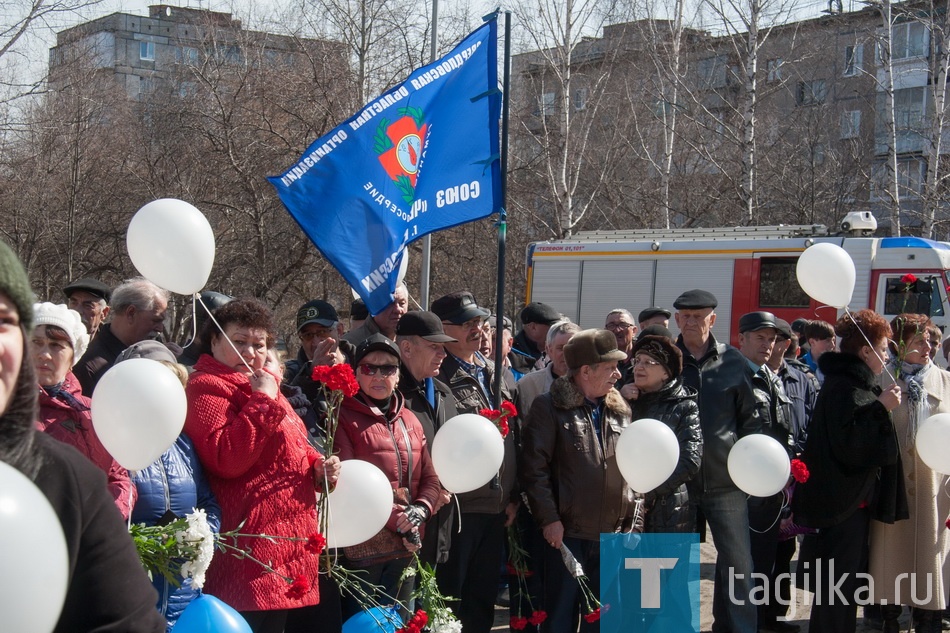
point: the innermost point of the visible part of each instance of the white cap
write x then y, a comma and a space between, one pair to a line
58, 315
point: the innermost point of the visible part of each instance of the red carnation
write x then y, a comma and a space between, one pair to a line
509, 409
800, 471
512, 570
503, 427
908, 279
315, 543
337, 378
298, 588
491, 414
593, 616
518, 623
538, 617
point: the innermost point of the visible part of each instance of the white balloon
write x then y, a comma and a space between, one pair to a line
359, 505
138, 410
467, 452
171, 243
647, 453
933, 442
826, 273
759, 465
33, 555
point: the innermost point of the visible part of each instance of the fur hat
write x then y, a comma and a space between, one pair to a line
58, 315
662, 350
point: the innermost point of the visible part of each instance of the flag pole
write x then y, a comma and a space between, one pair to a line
502, 214
427, 240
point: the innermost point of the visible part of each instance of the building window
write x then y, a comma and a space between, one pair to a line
187, 55
546, 104
712, 72
818, 154
853, 57
850, 124
909, 108
910, 180
147, 51
580, 99
811, 92
774, 67
909, 40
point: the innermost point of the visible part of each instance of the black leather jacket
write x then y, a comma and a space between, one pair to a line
774, 407
727, 409
675, 405
568, 473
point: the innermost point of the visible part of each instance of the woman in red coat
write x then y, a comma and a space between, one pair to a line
376, 427
263, 471
58, 341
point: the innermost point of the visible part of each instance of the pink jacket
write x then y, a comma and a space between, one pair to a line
364, 433
255, 452
62, 422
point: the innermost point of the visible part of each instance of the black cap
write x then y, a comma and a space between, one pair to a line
425, 325
655, 330
798, 326
756, 321
695, 300
493, 322
358, 310
784, 329
92, 286
457, 308
375, 343
649, 313
319, 312
542, 313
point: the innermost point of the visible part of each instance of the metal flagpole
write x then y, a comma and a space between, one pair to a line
427, 240
502, 214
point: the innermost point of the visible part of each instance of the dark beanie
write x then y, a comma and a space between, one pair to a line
15, 284
662, 350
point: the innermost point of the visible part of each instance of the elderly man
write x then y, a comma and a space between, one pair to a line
727, 411
383, 323
621, 325
137, 313
90, 298
538, 382
654, 316
421, 340
471, 572
527, 350
570, 477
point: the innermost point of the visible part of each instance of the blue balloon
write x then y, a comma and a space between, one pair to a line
375, 620
207, 614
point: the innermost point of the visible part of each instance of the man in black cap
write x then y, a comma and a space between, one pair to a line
727, 411
358, 314
472, 569
527, 352
317, 328
90, 298
570, 476
385, 322
654, 316
421, 341
620, 323
758, 332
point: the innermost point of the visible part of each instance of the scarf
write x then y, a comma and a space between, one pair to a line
918, 406
58, 393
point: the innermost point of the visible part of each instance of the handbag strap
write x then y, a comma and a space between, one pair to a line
405, 435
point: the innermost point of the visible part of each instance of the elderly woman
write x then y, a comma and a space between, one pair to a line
915, 550
261, 467
106, 589
59, 340
852, 456
660, 394
375, 426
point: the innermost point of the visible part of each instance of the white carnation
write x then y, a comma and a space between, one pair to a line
199, 536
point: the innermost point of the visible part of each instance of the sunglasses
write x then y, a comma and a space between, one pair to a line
386, 370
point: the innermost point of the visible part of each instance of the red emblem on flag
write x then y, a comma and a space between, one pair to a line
399, 146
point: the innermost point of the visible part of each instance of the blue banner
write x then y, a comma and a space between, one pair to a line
421, 158
649, 583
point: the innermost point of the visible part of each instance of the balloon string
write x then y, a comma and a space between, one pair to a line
458, 511
194, 322
221, 329
871, 345
785, 501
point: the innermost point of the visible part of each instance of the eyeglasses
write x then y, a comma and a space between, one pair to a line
386, 370
646, 362
306, 337
619, 326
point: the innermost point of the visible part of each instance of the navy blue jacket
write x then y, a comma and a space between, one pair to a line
174, 482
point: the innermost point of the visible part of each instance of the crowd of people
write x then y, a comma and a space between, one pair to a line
846, 399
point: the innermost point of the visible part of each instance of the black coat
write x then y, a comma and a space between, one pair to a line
851, 453
674, 404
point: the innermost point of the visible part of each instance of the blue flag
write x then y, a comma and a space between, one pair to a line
421, 158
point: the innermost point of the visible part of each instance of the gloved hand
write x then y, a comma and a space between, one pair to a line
417, 514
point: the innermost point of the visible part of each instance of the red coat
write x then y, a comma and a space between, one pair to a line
255, 452
59, 420
364, 433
